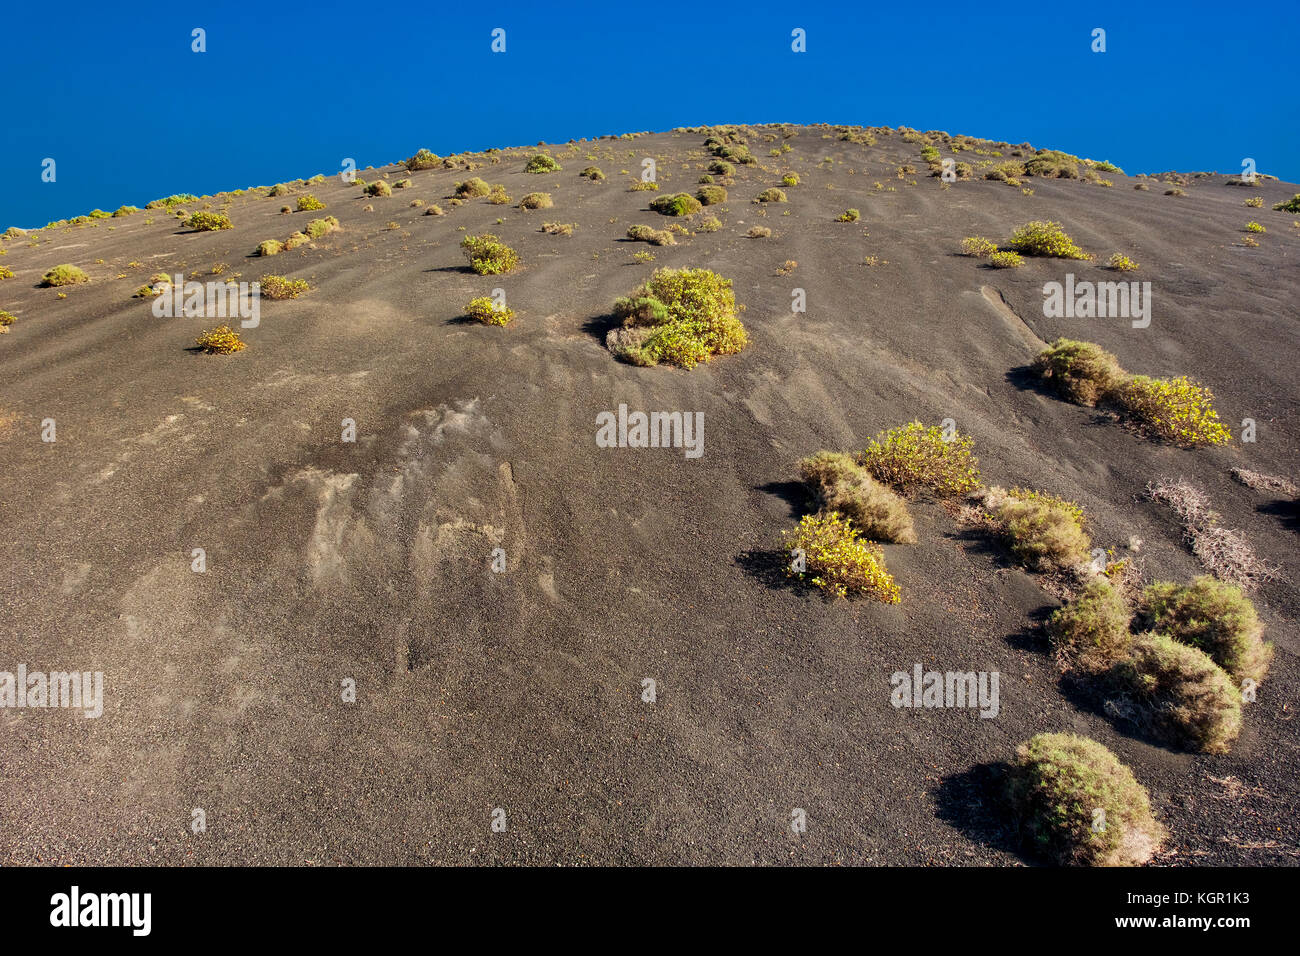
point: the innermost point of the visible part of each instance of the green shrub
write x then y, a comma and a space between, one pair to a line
402, 184
378, 188
679, 204
770, 195
319, 227
1212, 616
1043, 531
1255, 227
1290, 205
536, 201
912, 457
978, 246
709, 224
658, 237
1052, 164
472, 188
849, 215
838, 561
593, 173
698, 320
1122, 263
1081, 372
1005, 260
309, 203
1092, 631
222, 340
208, 222
721, 167
125, 211
488, 255
1006, 172
6, 319
171, 201
295, 240
790, 179
711, 195
1176, 693
64, 275
280, 189
1255, 202
541, 163
1045, 239
497, 195
1177, 410
1057, 784
278, 287
270, 247
641, 186
484, 310
842, 485
423, 159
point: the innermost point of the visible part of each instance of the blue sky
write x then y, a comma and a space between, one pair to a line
113, 93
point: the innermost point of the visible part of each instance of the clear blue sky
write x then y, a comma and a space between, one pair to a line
114, 94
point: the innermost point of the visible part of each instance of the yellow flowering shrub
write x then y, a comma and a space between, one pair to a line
1039, 238
837, 560
220, 341
484, 310
1175, 409
912, 457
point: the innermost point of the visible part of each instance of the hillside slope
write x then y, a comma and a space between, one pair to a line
330, 561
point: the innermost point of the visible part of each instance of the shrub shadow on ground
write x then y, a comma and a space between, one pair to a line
973, 802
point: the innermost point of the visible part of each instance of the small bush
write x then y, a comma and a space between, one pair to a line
849, 215
472, 188
1175, 409
838, 561
424, 159
1255, 227
208, 222
1212, 616
6, 273
1255, 202
488, 255
319, 227
1175, 192
1043, 531
280, 189
497, 195
1122, 263
1048, 239
309, 203
658, 237
434, 210
64, 275
759, 232
6, 319
1081, 372
1176, 693
842, 485
536, 201
697, 320
378, 188
709, 224
222, 340
295, 240
593, 173
278, 287
559, 228
1290, 205
1056, 785
1092, 630
912, 457
1006, 260
790, 179
270, 247
1052, 164
721, 167
978, 246
484, 310
402, 184
641, 186
125, 211
771, 195
679, 204
541, 163
711, 195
